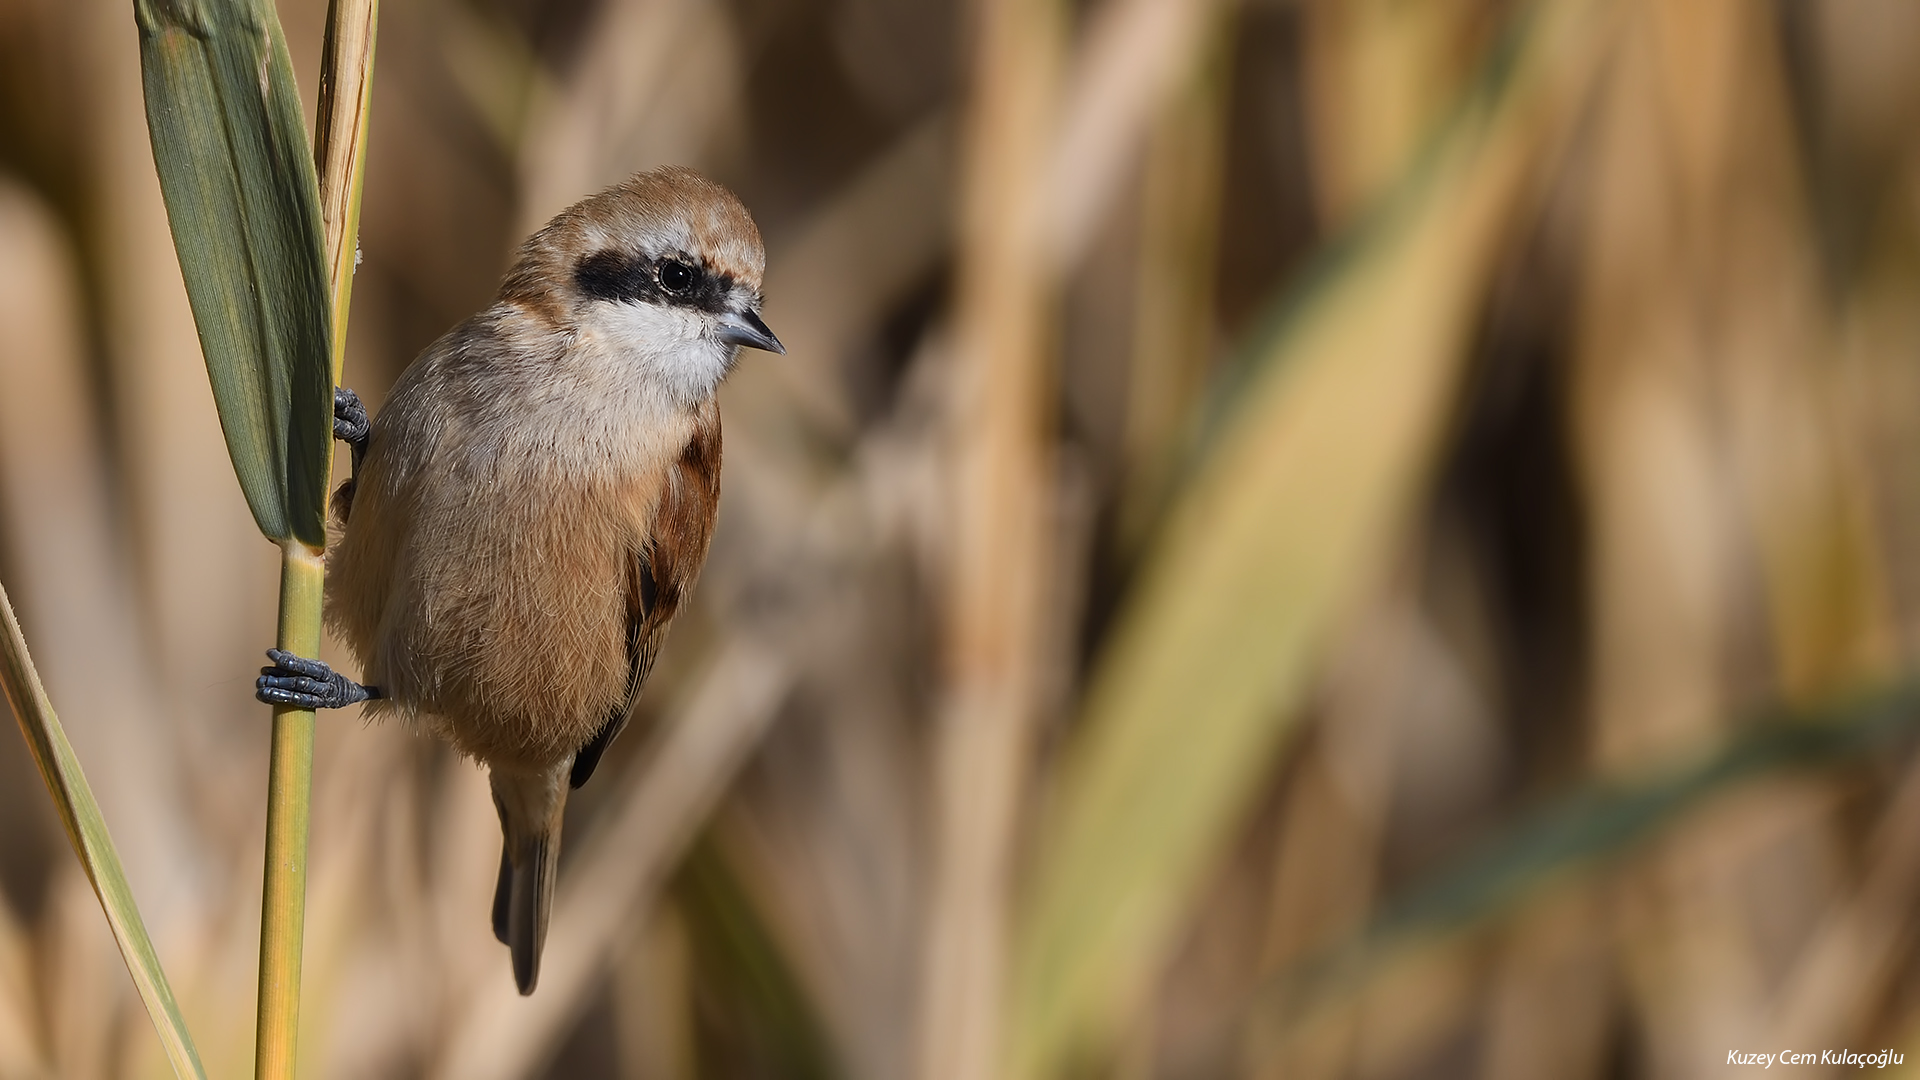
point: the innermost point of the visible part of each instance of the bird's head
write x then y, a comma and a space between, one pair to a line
662, 272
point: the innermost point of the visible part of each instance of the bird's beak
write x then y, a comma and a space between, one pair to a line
746, 328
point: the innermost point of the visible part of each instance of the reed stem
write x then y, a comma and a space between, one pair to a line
289, 794
340, 142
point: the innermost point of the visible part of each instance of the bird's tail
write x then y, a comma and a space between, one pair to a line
531, 806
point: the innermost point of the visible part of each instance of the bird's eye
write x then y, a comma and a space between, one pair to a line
675, 276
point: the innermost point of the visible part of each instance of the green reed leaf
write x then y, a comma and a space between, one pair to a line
238, 179
1605, 820
1292, 509
87, 830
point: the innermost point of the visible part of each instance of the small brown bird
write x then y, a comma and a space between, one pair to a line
534, 503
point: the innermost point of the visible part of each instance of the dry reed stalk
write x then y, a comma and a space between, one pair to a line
1551, 990
1001, 471
87, 831
83, 998
1713, 499
658, 82
653, 996
1136, 55
199, 579
1313, 472
1333, 824
190, 560
1658, 530
880, 234
201, 575
340, 148
20, 1052
1378, 75
53, 491
1173, 334
1845, 974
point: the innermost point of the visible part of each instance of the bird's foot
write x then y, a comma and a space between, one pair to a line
350, 423
307, 684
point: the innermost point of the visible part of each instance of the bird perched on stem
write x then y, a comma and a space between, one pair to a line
533, 505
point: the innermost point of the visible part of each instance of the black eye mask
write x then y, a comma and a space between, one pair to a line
672, 279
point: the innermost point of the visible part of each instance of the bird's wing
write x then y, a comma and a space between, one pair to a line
644, 634
661, 577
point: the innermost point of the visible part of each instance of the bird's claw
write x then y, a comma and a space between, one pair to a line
350, 423
307, 684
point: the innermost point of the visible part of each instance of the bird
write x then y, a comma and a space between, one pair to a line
533, 504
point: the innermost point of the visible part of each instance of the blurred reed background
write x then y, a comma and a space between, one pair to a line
1294, 538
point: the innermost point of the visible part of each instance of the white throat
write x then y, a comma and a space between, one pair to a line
668, 349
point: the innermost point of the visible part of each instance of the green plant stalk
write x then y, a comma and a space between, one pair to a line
87, 830
264, 265
340, 142
283, 910
340, 148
